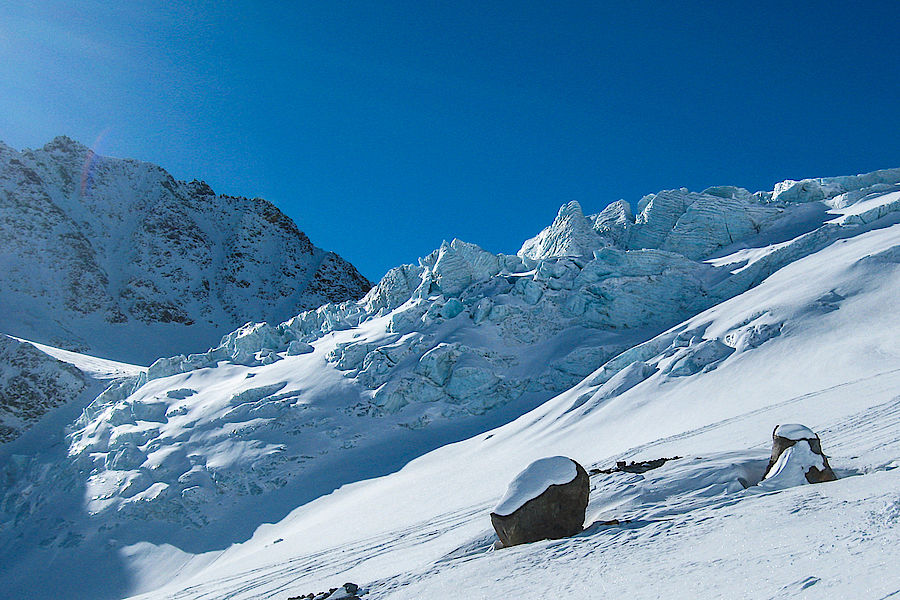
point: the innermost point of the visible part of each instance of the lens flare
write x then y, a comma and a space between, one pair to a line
91, 160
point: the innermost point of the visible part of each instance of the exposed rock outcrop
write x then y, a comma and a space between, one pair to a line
32, 383
348, 591
641, 466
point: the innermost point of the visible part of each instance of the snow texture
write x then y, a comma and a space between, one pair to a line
534, 481
794, 431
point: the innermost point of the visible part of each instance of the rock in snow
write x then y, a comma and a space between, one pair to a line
348, 591
797, 457
547, 500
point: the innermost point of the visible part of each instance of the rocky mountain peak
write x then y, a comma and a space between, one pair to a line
65, 144
100, 251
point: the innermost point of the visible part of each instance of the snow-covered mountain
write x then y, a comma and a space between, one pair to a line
690, 329
699, 526
116, 258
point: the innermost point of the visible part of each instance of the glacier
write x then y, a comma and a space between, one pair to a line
704, 521
367, 439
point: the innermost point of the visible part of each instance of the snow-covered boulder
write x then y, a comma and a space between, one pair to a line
797, 458
545, 501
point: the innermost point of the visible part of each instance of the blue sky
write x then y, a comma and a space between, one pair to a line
382, 128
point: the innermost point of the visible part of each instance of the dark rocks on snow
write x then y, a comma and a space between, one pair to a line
785, 436
348, 591
641, 466
556, 513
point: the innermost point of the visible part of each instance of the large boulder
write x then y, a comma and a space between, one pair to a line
796, 451
545, 501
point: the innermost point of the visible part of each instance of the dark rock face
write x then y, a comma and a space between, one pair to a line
780, 443
557, 513
32, 383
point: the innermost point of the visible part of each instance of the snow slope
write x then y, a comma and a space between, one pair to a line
697, 526
691, 329
98, 368
97, 253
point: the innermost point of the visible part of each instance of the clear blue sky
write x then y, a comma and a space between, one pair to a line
382, 127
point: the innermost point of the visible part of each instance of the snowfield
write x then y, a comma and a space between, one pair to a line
687, 529
369, 441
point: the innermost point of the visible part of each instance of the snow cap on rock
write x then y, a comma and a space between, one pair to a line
534, 480
794, 431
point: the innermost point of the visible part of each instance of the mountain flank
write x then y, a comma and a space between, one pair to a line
116, 258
